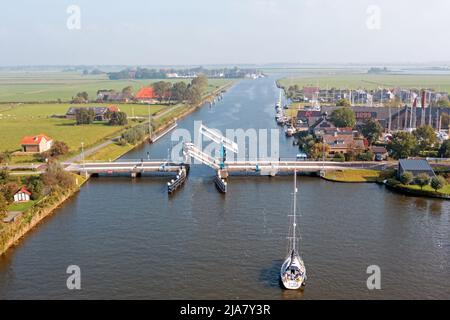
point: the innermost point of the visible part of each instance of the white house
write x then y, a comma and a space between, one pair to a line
39, 143
23, 195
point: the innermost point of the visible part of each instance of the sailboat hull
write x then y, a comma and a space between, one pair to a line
293, 273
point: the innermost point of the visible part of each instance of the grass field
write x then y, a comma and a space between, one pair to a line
51, 86
19, 120
445, 190
369, 81
352, 175
21, 206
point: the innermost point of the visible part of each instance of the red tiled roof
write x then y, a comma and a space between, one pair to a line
146, 93
24, 190
113, 108
34, 140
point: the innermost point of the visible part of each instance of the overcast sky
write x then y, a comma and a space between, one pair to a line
170, 32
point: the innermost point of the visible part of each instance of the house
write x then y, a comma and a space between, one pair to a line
146, 94
311, 92
23, 195
319, 127
415, 167
380, 152
343, 143
100, 112
36, 144
113, 96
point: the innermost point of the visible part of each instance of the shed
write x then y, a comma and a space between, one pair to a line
23, 195
415, 167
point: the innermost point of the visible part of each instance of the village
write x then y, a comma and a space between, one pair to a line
366, 125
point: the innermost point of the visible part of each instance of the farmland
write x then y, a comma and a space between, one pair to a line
62, 86
25, 109
369, 81
19, 120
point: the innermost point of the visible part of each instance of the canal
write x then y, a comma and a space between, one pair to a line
133, 241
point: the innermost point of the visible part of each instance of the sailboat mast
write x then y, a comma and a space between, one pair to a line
295, 209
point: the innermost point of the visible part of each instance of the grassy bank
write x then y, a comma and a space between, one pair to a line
415, 190
115, 150
352, 175
10, 233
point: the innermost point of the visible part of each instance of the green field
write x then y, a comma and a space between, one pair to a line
352, 175
369, 81
19, 120
51, 86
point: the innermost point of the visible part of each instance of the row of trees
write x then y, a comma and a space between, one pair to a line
406, 144
87, 116
180, 91
422, 180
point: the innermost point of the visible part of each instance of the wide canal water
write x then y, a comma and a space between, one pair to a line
132, 240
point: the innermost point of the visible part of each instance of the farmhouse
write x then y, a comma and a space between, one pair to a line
36, 144
415, 167
100, 112
146, 94
23, 195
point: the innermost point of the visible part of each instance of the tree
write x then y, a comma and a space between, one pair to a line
162, 89
402, 145
339, 157
3, 205
59, 148
36, 187
84, 115
318, 150
426, 138
343, 103
193, 95
5, 157
422, 179
438, 182
200, 81
128, 90
444, 150
406, 178
445, 121
118, 119
372, 130
81, 97
55, 176
9, 189
179, 91
4, 176
344, 117
443, 103
366, 156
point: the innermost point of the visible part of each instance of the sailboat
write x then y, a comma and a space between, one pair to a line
293, 271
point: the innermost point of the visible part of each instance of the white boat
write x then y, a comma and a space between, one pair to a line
290, 131
293, 271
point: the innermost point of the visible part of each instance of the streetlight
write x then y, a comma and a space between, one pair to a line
82, 155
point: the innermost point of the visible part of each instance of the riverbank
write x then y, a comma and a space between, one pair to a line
11, 233
114, 150
416, 191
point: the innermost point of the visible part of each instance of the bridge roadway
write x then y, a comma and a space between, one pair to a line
132, 167
231, 167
